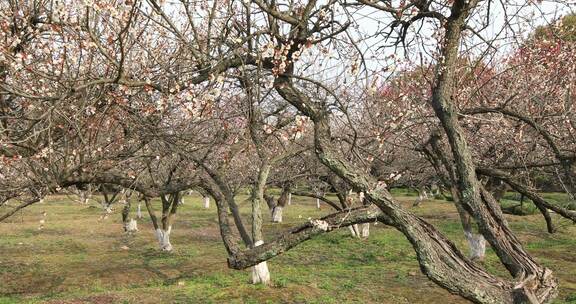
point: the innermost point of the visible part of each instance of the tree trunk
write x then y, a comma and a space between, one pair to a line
126, 214
277, 214
421, 197
163, 237
536, 282
206, 202
354, 230
476, 242
365, 230
260, 272
162, 233
132, 226
439, 259
317, 203
282, 201
289, 199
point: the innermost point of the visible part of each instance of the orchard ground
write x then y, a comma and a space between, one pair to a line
80, 258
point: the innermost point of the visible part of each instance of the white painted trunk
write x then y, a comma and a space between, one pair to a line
139, 211
132, 226
163, 237
365, 230
260, 272
318, 203
83, 198
206, 202
277, 214
354, 230
108, 209
289, 199
477, 245
419, 200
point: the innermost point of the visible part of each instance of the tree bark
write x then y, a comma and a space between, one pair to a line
537, 283
282, 201
439, 259
126, 214
260, 273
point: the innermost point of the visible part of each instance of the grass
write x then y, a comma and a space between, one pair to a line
80, 258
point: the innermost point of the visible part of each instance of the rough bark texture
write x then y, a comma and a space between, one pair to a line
476, 242
537, 284
439, 259
260, 273
215, 185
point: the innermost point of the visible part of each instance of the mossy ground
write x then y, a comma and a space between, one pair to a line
80, 258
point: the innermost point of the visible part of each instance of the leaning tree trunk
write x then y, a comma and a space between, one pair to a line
439, 259
536, 282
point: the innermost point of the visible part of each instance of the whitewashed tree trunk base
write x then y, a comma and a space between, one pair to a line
318, 203
139, 211
365, 230
260, 272
163, 237
132, 226
354, 231
477, 245
206, 202
289, 199
277, 214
